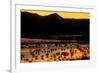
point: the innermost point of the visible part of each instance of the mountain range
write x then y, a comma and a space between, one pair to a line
34, 24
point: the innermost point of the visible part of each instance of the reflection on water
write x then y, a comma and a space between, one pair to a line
55, 48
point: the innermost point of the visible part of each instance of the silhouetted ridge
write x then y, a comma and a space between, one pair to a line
53, 24
54, 15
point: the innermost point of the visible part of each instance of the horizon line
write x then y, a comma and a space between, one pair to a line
57, 14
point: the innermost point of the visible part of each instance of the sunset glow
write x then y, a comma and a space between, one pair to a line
76, 15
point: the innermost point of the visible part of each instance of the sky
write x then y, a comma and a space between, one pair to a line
76, 15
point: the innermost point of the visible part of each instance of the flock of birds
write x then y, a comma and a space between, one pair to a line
72, 51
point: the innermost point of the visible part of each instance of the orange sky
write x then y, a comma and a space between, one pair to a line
76, 15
